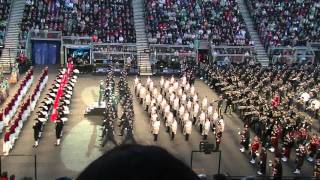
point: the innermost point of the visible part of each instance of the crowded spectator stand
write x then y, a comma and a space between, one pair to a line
64, 81
175, 22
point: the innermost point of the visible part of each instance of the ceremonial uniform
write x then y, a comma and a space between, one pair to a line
173, 128
314, 143
201, 120
206, 129
316, 172
195, 112
37, 127
59, 128
109, 131
245, 139
277, 169
255, 145
300, 155
204, 104
262, 162
287, 145
155, 129
187, 129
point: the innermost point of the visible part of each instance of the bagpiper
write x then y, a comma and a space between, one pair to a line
300, 155
287, 145
262, 162
316, 172
277, 169
255, 145
314, 143
245, 138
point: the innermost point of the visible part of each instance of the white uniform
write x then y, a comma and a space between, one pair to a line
147, 100
151, 86
192, 91
172, 97
206, 128
159, 99
187, 129
176, 104
142, 92
180, 92
155, 127
204, 104
162, 82
175, 86
181, 111
166, 110
183, 98
187, 87
196, 108
166, 86
195, 98
172, 80
169, 119
148, 81
215, 117
136, 81
174, 127
202, 118
210, 111
154, 117
155, 92
163, 104
189, 106
186, 117
183, 81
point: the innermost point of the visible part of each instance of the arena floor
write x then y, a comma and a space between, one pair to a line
80, 142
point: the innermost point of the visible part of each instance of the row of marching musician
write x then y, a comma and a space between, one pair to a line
9, 110
265, 98
23, 112
177, 101
45, 110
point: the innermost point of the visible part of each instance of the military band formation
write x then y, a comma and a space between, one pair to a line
278, 104
114, 100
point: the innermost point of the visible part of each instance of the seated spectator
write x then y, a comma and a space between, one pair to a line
286, 23
4, 14
177, 22
137, 162
105, 21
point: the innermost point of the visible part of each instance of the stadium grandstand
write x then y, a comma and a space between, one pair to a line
160, 89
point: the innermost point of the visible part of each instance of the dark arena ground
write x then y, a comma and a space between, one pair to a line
80, 141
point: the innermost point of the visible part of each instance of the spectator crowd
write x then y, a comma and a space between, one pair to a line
4, 15
286, 23
105, 21
182, 22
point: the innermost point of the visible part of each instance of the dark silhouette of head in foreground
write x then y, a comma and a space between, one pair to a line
137, 162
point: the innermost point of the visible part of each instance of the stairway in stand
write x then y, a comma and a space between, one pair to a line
261, 51
10, 50
141, 38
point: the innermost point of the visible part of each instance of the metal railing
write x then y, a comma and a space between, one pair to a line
45, 34
77, 40
291, 54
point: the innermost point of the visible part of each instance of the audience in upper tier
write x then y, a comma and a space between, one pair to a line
182, 22
4, 14
108, 21
283, 23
